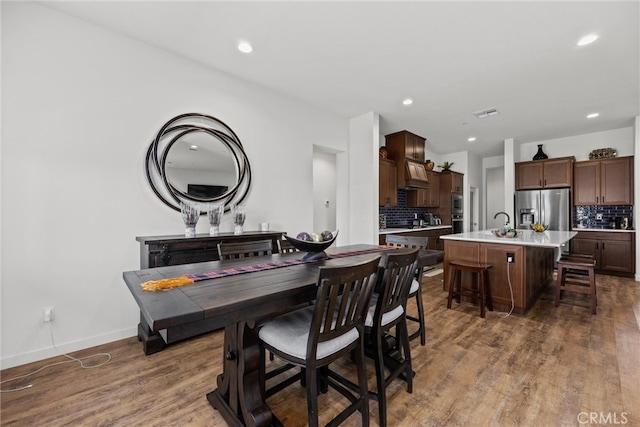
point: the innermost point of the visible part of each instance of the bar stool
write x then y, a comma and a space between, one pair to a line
481, 274
576, 274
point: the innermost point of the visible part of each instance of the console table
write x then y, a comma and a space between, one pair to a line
160, 251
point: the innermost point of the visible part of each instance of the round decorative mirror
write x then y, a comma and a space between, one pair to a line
196, 158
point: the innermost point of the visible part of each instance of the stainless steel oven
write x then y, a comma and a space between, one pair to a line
456, 204
456, 223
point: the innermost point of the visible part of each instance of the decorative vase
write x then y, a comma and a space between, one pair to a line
239, 215
383, 152
190, 216
215, 212
429, 165
540, 154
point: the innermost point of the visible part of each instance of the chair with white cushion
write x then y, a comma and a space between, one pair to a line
415, 290
387, 310
315, 336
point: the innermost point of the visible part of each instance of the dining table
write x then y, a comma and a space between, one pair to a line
239, 294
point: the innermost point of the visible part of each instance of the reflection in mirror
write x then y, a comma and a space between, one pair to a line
201, 166
197, 158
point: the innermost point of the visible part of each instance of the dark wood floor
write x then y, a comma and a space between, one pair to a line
544, 369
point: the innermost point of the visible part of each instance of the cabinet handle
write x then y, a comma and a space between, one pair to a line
540, 183
603, 246
545, 182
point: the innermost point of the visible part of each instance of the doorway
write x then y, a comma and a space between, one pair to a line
474, 212
324, 190
495, 196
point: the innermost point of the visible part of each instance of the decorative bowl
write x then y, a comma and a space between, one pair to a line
539, 228
501, 233
315, 250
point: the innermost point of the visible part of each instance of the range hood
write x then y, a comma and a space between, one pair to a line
415, 175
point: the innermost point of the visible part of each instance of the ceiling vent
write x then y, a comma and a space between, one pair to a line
483, 114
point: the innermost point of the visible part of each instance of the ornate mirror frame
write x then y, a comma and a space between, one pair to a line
184, 129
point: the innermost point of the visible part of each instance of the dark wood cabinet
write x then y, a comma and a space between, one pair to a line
160, 251
428, 197
603, 182
451, 182
614, 251
387, 183
405, 145
552, 173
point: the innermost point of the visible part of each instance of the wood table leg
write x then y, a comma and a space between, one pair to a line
152, 342
239, 398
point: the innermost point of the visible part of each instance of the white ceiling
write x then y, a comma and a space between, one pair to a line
452, 58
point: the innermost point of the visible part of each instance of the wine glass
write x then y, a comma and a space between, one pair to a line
215, 212
239, 215
190, 216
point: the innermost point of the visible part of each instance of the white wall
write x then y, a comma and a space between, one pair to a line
80, 105
579, 146
364, 134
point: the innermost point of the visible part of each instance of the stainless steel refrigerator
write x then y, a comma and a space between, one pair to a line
548, 207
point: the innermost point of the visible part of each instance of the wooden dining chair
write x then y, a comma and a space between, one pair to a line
415, 291
387, 310
236, 250
314, 337
285, 247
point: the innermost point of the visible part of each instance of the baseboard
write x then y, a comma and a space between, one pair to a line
46, 353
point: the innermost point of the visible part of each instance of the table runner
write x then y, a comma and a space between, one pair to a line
187, 279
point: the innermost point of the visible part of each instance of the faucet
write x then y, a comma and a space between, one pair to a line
506, 225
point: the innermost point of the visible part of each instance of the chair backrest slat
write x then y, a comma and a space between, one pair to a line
341, 301
236, 250
284, 246
421, 242
398, 274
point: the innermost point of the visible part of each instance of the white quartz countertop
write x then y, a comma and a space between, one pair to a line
405, 230
547, 239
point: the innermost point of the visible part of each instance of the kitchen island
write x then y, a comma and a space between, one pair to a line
533, 255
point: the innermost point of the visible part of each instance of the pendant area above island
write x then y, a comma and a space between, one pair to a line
533, 255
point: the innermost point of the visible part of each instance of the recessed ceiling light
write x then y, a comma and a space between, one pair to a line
193, 147
407, 101
245, 47
587, 40
472, 139
592, 115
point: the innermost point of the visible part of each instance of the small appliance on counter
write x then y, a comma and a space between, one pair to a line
431, 219
622, 223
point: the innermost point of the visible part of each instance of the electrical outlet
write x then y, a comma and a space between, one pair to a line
48, 314
598, 216
511, 257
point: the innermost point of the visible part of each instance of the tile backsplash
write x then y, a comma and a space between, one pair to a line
401, 213
589, 216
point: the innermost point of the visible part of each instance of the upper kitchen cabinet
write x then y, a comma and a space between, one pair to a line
407, 150
387, 181
405, 145
428, 197
552, 173
451, 182
603, 182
